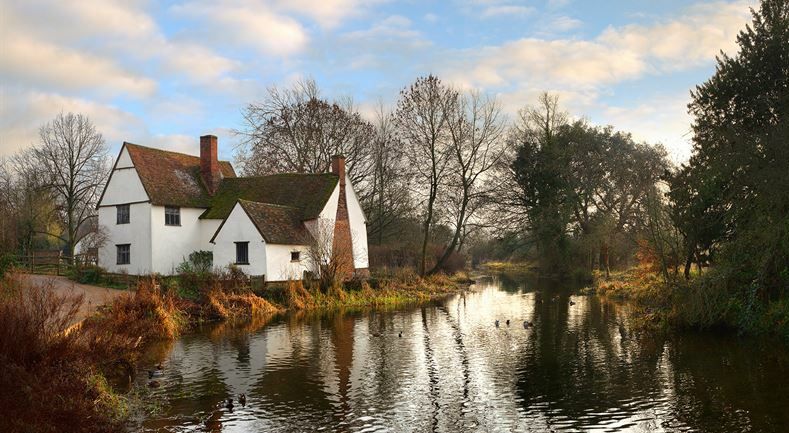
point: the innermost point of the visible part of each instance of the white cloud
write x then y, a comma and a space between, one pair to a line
253, 24
583, 71
661, 120
616, 55
688, 41
507, 10
431, 18
391, 27
542, 63
564, 23
328, 13
22, 113
41, 63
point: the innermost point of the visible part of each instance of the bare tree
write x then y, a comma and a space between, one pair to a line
294, 130
422, 119
72, 158
330, 260
387, 197
476, 130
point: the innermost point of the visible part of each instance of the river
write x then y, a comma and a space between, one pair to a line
578, 367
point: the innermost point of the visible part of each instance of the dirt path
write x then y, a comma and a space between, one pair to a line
94, 296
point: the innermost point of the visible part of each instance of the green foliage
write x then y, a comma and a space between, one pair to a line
582, 188
199, 262
7, 262
89, 274
730, 200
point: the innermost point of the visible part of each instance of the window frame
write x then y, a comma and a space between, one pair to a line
172, 212
118, 214
119, 254
295, 256
245, 245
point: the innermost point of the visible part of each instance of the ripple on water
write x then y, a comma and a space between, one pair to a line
453, 370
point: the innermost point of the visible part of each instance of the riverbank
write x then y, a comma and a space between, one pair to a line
698, 303
103, 349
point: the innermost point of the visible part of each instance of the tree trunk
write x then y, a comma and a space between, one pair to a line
428, 220
604, 259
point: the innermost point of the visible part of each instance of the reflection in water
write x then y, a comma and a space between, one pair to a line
578, 368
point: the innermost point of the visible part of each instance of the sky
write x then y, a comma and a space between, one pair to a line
163, 73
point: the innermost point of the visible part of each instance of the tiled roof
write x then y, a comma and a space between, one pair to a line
277, 224
308, 193
172, 178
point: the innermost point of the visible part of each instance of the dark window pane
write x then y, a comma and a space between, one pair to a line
123, 254
172, 216
242, 253
123, 214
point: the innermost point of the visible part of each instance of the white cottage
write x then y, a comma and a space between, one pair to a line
160, 206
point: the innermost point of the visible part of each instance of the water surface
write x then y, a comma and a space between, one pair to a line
578, 368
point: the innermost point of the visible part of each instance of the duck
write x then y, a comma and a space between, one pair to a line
159, 366
572, 303
154, 384
508, 322
242, 399
400, 334
229, 403
527, 324
497, 323
155, 373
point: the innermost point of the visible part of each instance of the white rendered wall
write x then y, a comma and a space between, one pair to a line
238, 228
171, 245
280, 267
137, 233
358, 227
326, 218
125, 185
124, 160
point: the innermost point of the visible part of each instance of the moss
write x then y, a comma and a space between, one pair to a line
308, 192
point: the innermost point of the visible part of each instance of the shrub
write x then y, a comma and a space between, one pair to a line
7, 262
48, 379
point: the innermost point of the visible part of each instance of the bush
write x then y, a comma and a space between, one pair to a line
199, 262
7, 262
49, 379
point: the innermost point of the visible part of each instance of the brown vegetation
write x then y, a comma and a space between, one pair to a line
49, 377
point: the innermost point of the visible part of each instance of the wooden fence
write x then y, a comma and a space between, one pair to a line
53, 262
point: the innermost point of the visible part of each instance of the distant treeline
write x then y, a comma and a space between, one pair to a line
446, 178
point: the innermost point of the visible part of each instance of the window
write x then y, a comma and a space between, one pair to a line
242, 253
124, 254
172, 216
123, 214
295, 256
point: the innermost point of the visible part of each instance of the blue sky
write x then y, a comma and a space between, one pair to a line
164, 73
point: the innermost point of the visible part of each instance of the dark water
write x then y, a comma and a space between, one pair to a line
579, 368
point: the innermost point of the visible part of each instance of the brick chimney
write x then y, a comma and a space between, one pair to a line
343, 242
338, 167
209, 163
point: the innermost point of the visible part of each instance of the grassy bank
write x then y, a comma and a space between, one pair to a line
57, 373
53, 376
702, 302
510, 267
402, 288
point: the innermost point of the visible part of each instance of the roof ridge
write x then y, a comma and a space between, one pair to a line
127, 143
268, 204
265, 176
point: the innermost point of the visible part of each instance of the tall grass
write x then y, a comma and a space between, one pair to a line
703, 302
48, 381
400, 287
